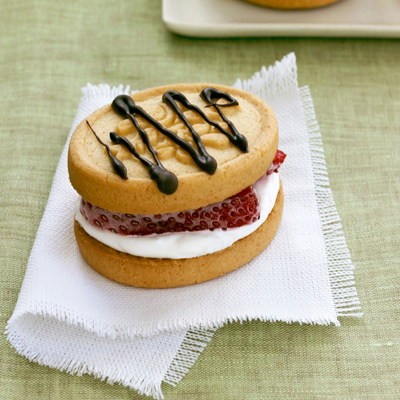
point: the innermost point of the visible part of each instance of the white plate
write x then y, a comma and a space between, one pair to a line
234, 18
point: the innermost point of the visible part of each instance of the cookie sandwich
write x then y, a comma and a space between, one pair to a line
292, 4
177, 184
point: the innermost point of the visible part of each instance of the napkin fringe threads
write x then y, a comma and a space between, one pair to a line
269, 83
340, 267
191, 346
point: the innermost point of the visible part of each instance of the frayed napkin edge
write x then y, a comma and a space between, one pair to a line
340, 266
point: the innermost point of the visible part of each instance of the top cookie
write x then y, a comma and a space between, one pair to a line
93, 177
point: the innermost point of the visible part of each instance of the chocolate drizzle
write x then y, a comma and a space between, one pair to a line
208, 94
166, 181
126, 107
118, 165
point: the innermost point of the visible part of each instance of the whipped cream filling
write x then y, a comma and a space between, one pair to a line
186, 244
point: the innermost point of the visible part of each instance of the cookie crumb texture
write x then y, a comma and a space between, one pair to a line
292, 4
92, 175
166, 273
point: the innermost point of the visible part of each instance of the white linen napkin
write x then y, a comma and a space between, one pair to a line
71, 318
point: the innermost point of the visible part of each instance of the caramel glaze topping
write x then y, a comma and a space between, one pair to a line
166, 181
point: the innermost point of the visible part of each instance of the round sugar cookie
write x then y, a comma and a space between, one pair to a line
292, 4
165, 273
92, 175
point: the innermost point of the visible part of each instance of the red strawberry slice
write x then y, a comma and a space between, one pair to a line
240, 209
278, 161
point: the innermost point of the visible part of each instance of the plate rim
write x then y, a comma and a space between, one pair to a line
257, 29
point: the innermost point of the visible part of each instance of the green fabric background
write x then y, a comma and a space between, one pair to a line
49, 49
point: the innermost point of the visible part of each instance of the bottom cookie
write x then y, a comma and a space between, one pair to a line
166, 273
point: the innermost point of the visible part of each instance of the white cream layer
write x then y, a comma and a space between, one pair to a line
186, 244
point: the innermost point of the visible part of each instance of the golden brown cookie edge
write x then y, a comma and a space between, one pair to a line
166, 273
141, 196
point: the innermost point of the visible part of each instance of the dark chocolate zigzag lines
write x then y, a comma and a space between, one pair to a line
166, 181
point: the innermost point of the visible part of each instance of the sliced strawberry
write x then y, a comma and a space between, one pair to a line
240, 209
278, 161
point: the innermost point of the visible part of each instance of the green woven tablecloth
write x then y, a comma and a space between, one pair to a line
49, 49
